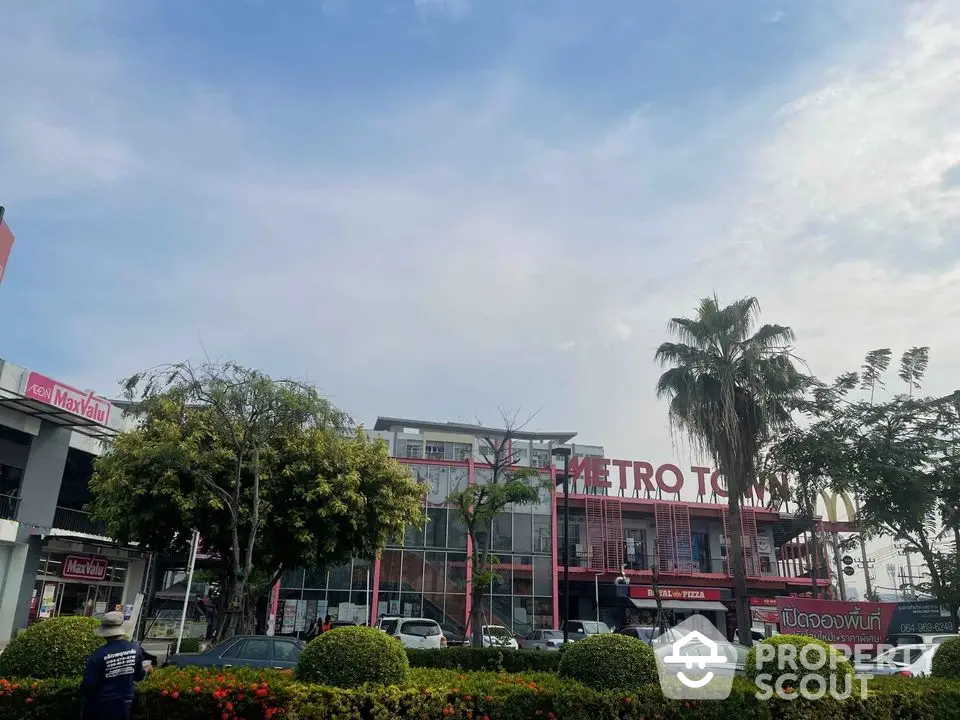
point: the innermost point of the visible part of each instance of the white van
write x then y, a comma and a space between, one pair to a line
415, 633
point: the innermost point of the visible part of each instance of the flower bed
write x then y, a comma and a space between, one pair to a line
436, 694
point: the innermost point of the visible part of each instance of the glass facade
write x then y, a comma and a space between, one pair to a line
425, 574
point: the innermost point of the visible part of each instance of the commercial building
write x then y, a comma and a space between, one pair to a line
54, 559
625, 517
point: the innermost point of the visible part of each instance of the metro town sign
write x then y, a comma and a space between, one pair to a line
641, 476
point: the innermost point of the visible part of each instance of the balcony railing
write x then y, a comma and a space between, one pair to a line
8, 507
78, 521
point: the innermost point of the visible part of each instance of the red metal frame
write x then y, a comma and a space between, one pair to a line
791, 557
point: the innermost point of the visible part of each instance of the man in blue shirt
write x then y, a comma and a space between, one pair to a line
111, 673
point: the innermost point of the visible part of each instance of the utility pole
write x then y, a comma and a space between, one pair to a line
866, 563
836, 559
910, 572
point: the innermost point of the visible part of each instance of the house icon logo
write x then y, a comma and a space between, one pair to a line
695, 661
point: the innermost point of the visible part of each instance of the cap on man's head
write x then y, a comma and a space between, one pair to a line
111, 626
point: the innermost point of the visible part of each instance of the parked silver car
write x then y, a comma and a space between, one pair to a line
542, 640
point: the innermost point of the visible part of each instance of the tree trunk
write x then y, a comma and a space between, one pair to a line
744, 623
476, 616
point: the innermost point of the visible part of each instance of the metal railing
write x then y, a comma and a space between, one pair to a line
8, 507
78, 521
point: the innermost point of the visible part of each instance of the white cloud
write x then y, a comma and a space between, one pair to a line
487, 262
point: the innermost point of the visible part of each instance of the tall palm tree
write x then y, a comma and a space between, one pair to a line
730, 389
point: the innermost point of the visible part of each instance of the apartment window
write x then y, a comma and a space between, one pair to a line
409, 448
462, 451
434, 451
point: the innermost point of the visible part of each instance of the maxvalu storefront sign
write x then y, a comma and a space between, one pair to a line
82, 567
77, 402
859, 623
642, 476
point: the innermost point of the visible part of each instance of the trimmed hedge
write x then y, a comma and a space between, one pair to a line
609, 662
175, 694
189, 645
352, 656
804, 663
946, 660
54, 648
488, 658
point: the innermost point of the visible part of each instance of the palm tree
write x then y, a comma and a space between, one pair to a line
730, 389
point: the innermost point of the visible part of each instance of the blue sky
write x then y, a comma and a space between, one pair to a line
434, 207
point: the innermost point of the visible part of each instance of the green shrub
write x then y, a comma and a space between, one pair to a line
196, 694
434, 694
54, 648
609, 662
352, 656
946, 660
189, 645
493, 659
835, 664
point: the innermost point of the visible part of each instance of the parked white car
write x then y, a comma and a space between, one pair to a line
415, 633
922, 667
499, 636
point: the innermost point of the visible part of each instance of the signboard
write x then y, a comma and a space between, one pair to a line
920, 617
646, 593
849, 571
81, 567
289, 616
640, 475
47, 600
847, 560
860, 623
76, 402
6, 244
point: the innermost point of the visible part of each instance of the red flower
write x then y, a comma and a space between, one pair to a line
447, 711
230, 706
164, 692
175, 695
197, 690
29, 700
261, 692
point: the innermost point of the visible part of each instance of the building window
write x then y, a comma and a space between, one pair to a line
462, 451
409, 448
433, 451
540, 458
700, 544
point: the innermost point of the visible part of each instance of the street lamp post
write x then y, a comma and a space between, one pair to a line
561, 456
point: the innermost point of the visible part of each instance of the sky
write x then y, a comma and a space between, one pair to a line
435, 208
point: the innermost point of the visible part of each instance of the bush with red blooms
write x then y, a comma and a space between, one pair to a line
190, 694
187, 693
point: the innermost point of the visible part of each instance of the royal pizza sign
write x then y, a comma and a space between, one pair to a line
646, 593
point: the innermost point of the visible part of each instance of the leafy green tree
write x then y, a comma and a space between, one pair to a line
730, 388
896, 454
271, 474
500, 485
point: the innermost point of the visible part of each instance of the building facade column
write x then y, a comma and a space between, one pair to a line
39, 490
